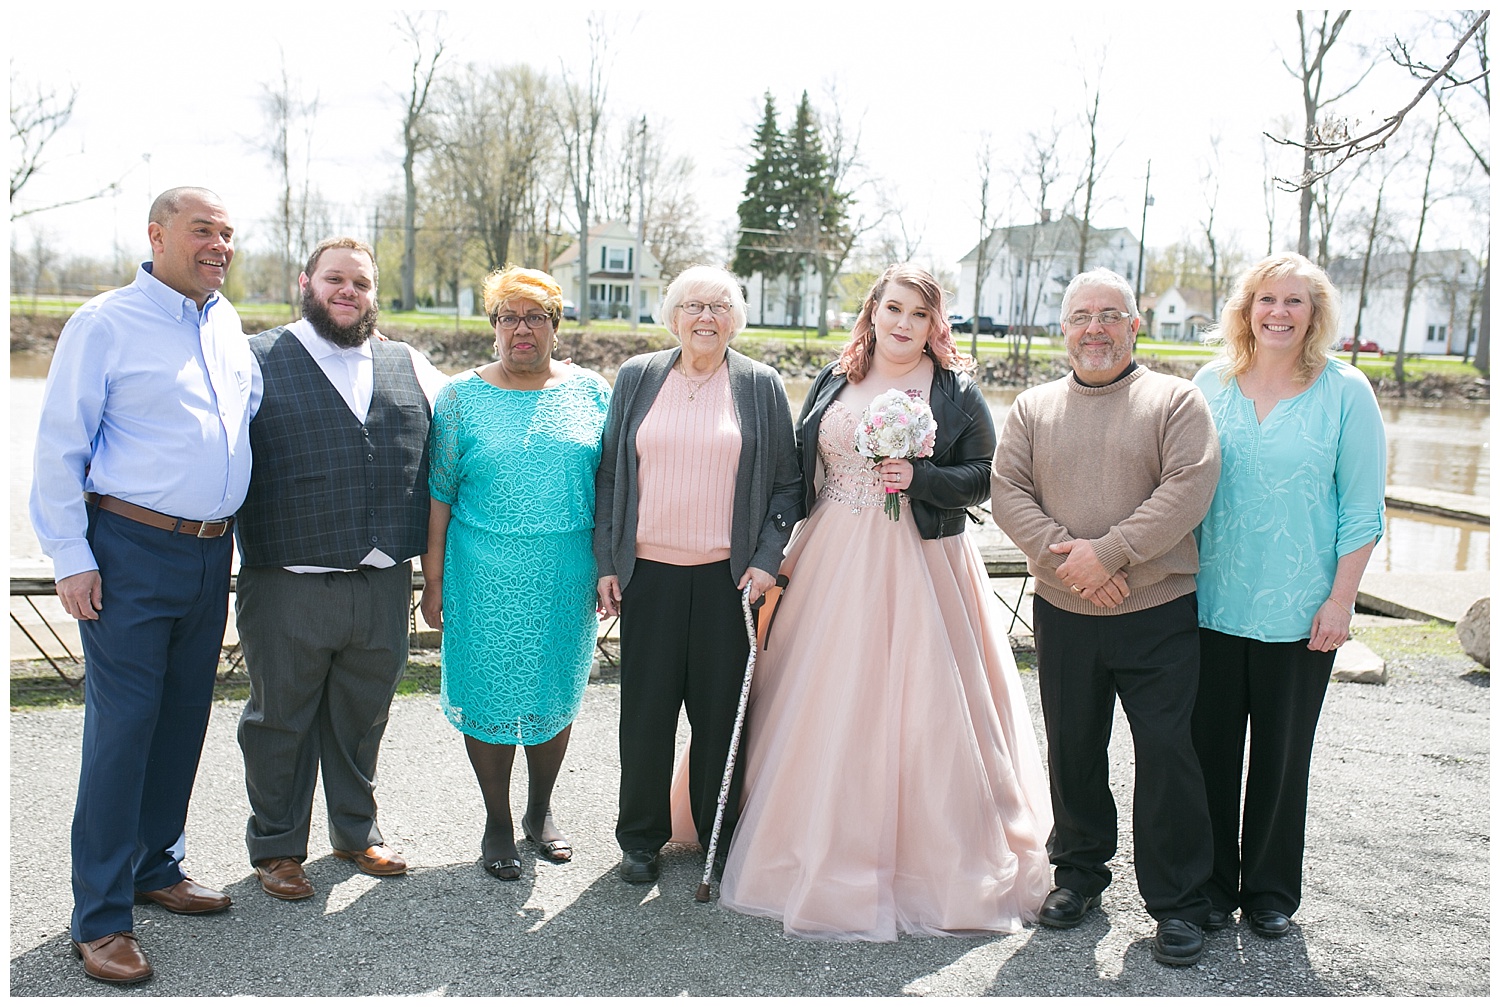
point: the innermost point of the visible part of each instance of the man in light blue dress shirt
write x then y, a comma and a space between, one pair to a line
142, 459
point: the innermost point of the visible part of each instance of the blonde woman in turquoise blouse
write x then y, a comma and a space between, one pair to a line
1299, 508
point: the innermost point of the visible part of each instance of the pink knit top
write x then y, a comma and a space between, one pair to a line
688, 453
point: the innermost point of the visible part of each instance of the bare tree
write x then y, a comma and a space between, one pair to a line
1041, 170
1315, 41
1327, 197
491, 134
839, 233
1372, 234
983, 161
36, 116
580, 121
287, 114
1337, 142
427, 40
1411, 270
1211, 199
1096, 165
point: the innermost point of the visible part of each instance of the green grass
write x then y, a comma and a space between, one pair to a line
1431, 639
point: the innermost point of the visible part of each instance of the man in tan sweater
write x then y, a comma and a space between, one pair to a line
1100, 478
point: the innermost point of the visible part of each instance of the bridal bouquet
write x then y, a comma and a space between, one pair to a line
896, 425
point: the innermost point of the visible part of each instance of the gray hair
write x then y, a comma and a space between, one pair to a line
704, 282
1099, 278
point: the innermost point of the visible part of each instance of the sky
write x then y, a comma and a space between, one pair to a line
175, 104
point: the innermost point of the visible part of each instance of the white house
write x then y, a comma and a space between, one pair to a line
612, 256
1181, 314
785, 300
1030, 266
1447, 287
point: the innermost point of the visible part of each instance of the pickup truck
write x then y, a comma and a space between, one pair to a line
987, 326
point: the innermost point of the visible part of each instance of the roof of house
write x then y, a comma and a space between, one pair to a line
1197, 302
1052, 237
1389, 269
650, 267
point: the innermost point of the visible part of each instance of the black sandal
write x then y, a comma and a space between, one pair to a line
502, 870
557, 851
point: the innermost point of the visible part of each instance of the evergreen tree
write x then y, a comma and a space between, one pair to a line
817, 212
763, 208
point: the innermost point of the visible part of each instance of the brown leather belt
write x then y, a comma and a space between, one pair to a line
198, 529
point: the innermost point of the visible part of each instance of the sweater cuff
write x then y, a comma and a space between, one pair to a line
1110, 551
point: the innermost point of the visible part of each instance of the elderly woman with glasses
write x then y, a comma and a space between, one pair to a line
509, 571
698, 489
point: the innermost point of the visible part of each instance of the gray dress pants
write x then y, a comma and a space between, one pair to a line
324, 652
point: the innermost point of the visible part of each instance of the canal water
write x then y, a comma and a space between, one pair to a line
1442, 447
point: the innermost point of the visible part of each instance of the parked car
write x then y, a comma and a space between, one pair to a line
1365, 346
987, 326
570, 311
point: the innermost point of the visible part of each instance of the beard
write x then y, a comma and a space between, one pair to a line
348, 336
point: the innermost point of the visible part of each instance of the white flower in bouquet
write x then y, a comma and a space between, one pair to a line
896, 425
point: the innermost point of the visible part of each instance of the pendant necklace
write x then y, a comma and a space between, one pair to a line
697, 386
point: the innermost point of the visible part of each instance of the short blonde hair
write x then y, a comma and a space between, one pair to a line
704, 282
1234, 332
510, 282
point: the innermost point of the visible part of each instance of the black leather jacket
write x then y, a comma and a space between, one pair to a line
958, 473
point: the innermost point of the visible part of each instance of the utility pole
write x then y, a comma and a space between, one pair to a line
640, 234
1140, 259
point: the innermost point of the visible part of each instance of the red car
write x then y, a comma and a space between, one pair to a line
1365, 346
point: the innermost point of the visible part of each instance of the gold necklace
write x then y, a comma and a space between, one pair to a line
697, 386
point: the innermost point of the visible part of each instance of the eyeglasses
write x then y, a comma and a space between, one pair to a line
533, 321
696, 307
1109, 316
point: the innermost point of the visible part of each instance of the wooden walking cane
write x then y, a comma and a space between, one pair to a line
734, 746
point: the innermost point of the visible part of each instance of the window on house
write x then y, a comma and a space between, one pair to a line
617, 260
1171, 309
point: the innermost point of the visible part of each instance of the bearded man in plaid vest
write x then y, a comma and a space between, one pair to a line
337, 507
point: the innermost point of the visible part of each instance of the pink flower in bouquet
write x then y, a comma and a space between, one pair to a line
896, 424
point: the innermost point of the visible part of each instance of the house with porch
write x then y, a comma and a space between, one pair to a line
605, 291
1444, 305
1181, 314
1030, 265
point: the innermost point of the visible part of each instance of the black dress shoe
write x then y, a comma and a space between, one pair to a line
1269, 923
1218, 919
1178, 942
1065, 908
640, 867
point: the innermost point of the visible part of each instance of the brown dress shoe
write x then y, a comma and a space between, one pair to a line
282, 878
187, 898
381, 860
115, 958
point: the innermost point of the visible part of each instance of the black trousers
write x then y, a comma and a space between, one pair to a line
682, 642
1277, 690
1150, 660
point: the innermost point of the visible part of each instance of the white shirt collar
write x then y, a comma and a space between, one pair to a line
320, 347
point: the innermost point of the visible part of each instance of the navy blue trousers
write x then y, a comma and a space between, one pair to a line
150, 663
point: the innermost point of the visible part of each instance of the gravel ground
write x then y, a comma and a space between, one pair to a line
1396, 898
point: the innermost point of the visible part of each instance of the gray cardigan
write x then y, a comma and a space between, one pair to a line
767, 487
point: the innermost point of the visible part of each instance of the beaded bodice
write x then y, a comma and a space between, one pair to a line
849, 477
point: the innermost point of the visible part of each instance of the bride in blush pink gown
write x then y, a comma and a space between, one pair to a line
892, 777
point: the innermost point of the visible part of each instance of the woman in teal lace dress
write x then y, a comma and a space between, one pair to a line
510, 574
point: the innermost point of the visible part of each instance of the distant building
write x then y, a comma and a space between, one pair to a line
611, 266
1441, 321
1030, 266
786, 300
1181, 314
